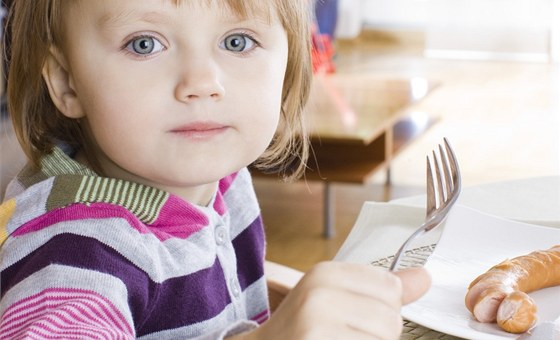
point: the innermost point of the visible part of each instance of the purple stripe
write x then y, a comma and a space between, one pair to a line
188, 300
174, 303
249, 248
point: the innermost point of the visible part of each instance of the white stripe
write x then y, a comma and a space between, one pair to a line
242, 203
124, 194
29, 205
95, 191
117, 191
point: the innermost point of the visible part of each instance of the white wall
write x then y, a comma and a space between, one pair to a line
424, 13
516, 29
395, 13
350, 21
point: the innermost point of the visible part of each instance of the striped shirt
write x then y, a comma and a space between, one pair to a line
84, 256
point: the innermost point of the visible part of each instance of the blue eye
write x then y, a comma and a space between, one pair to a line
144, 45
238, 43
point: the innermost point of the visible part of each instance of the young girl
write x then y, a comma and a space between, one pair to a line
136, 216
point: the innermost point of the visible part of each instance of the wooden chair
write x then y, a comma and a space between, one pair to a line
280, 280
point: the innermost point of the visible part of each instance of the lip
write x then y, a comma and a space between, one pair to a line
200, 130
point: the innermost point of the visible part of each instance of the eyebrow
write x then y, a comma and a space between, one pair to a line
129, 16
154, 17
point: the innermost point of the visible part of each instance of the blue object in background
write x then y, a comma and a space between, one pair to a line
326, 12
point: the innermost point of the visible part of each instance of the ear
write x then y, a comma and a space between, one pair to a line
60, 84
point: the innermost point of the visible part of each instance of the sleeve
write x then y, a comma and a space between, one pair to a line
63, 302
68, 287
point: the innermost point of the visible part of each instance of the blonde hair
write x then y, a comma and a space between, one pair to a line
35, 26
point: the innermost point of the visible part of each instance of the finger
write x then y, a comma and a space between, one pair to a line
415, 283
375, 318
366, 280
342, 311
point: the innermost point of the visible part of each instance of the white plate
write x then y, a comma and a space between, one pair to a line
471, 243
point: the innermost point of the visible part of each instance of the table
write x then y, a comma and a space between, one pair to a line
358, 123
381, 227
534, 200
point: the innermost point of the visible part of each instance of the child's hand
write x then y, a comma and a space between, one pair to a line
345, 301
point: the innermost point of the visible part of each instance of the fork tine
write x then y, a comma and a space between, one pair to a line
456, 174
437, 169
446, 172
430, 190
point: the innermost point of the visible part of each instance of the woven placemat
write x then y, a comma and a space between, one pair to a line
415, 258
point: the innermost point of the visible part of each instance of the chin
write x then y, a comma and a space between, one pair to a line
195, 180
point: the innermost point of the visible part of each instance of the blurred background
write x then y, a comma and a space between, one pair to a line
498, 99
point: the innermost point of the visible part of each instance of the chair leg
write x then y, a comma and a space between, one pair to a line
328, 211
388, 176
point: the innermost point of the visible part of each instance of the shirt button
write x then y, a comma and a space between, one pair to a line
221, 235
235, 289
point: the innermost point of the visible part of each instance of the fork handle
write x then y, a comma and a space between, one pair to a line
400, 252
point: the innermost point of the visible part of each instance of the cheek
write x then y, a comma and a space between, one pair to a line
119, 125
117, 105
266, 107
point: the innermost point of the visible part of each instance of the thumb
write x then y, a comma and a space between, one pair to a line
415, 282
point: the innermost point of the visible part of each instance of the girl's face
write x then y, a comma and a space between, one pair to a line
174, 96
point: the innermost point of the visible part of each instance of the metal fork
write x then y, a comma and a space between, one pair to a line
440, 201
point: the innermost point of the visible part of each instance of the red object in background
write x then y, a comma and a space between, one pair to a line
322, 52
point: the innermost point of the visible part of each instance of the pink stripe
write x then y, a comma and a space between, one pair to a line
45, 331
87, 314
41, 322
110, 332
261, 317
77, 317
171, 222
225, 183
29, 323
41, 309
68, 310
50, 326
223, 186
67, 294
220, 205
41, 335
88, 324
120, 324
41, 303
178, 219
36, 315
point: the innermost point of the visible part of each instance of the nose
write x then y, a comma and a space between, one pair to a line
199, 80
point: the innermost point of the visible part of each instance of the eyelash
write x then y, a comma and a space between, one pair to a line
247, 35
129, 49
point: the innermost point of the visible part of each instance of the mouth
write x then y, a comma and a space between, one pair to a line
200, 130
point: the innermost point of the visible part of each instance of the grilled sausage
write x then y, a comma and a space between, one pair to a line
517, 313
506, 284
